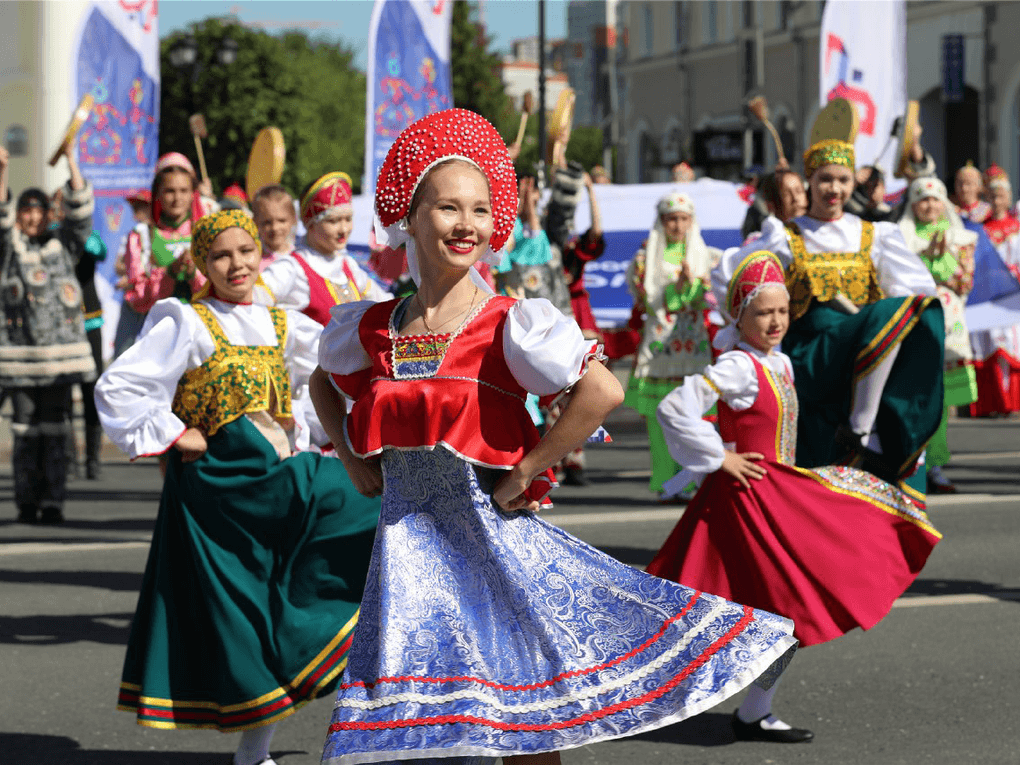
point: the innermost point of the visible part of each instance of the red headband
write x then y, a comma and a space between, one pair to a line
757, 270
449, 134
331, 191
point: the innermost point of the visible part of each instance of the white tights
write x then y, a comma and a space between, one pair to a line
758, 705
867, 397
254, 746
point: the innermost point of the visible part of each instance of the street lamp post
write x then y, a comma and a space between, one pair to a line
183, 56
541, 93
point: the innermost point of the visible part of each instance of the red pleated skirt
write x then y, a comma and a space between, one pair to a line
830, 548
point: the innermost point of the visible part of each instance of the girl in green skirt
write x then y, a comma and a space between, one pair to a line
259, 556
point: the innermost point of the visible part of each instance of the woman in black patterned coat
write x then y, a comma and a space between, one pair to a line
43, 348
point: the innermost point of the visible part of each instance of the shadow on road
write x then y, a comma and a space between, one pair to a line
58, 630
25, 748
37, 749
638, 557
119, 524
706, 729
118, 581
99, 495
961, 587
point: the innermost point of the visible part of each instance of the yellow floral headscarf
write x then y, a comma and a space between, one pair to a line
828, 152
211, 226
205, 233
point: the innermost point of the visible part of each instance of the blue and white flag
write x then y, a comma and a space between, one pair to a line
116, 59
408, 72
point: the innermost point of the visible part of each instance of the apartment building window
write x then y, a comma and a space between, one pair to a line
729, 31
709, 21
669, 23
648, 28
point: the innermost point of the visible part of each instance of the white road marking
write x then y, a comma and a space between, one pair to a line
669, 514
981, 456
971, 499
612, 516
41, 548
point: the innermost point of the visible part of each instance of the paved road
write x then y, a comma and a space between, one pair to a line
935, 682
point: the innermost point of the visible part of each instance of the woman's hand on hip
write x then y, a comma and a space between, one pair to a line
366, 476
509, 492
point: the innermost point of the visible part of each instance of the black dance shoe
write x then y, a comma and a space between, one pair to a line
753, 731
28, 514
51, 516
574, 476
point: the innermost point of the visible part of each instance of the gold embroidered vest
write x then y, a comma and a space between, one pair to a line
236, 380
824, 275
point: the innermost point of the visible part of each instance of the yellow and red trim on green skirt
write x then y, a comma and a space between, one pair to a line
268, 708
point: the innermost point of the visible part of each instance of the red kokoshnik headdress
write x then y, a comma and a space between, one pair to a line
449, 134
331, 192
757, 271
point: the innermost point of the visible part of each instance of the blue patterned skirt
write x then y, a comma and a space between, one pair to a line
491, 634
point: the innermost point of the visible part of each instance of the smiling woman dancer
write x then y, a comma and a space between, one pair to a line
258, 557
486, 632
866, 332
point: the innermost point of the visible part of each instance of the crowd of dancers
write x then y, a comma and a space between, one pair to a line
355, 458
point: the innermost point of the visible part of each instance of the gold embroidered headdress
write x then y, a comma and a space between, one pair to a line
832, 137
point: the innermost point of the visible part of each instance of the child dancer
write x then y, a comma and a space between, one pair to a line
258, 558
273, 210
830, 548
668, 278
156, 255
321, 275
486, 632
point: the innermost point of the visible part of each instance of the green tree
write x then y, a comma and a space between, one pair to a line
478, 86
308, 88
585, 146
477, 71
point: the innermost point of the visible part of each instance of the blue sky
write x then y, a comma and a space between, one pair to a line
347, 20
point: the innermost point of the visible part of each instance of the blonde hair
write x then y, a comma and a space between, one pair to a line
271, 193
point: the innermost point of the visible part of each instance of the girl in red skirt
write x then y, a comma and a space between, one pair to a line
830, 548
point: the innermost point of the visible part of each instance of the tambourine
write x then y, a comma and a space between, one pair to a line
562, 120
906, 138
80, 116
266, 160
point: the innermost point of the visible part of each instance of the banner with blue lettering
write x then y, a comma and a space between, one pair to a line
117, 61
628, 212
408, 72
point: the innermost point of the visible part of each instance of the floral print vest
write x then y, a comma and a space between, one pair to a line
235, 380
824, 275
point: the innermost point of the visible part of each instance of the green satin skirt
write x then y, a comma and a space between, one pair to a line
252, 586
831, 351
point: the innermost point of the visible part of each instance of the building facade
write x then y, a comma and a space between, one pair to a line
685, 70
519, 72
36, 86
